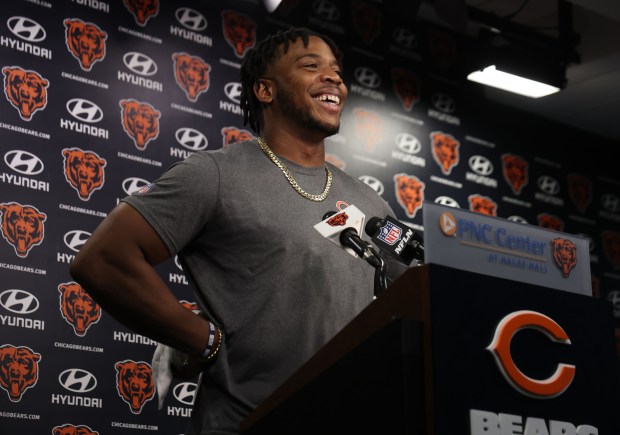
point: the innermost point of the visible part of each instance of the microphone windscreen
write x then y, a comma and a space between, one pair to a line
373, 225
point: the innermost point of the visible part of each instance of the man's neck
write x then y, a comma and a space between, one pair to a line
301, 151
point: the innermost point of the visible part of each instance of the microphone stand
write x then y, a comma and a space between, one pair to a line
380, 273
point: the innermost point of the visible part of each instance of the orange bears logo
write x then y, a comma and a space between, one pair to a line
22, 226
368, 127
231, 135
191, 74
443, 48
239, 31
134, 383
19, 370
192, 306
142, 10
564, 255
78, 308
338, 220
84, 171
580, 191
550, 221
611, 246
26, 90
85, 41
406, 87
336, 161
70, 429
367, 20
482, 204
515, 171
140, 122
409, 193
445, 151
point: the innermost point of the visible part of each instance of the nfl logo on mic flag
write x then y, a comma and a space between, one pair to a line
390, 233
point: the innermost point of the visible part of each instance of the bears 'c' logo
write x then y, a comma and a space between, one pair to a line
515, 172
192, 74
78, 308
19, 370
564, 255
85, 41
22, 226
550, 221
445, 151
406, 87
367, 20
338, 220
134, 383
70, 429
231, 135
409, 193
142, 10
482, 204
84, 171
368, 127
140, 122
26, 90
239, 31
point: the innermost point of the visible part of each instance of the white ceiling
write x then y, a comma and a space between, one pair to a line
591, 99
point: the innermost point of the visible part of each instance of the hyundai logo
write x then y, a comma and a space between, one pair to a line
233, 92
191, 139
25, 28
408, 143
184, 392
517, 219
367, 77
481, 165
23, 162
548, 184
77, 380
133, 184
405, 38
75, 239
326, 9
372, 182
84, 110
177, 262
19, 301
447, 201
610, 203
140, 63
443, 102
191, 19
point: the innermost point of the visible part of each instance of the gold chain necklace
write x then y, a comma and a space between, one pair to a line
291, 180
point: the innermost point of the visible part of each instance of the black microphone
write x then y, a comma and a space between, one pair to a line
349, 238
396, 239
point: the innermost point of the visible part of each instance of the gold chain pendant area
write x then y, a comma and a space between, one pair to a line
289, 176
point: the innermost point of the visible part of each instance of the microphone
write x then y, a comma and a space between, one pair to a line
343, 228
389, 235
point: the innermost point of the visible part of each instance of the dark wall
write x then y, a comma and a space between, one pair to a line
82, 125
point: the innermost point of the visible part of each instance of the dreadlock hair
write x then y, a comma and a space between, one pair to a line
264, 55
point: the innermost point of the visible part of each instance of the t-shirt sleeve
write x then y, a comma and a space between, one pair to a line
180, 203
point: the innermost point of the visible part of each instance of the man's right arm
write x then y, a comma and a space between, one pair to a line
116, 267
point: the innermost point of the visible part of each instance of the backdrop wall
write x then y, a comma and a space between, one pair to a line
100, 97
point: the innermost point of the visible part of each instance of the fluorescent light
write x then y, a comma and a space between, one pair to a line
490, 76
271, 5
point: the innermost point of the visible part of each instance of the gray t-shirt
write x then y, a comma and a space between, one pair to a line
248, 246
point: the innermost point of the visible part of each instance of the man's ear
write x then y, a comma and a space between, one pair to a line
263, 89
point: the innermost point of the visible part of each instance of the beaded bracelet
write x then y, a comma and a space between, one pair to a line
219, 344
207, 350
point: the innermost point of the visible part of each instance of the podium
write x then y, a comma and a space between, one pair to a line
421, 359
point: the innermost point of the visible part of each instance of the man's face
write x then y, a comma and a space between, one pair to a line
309, 90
